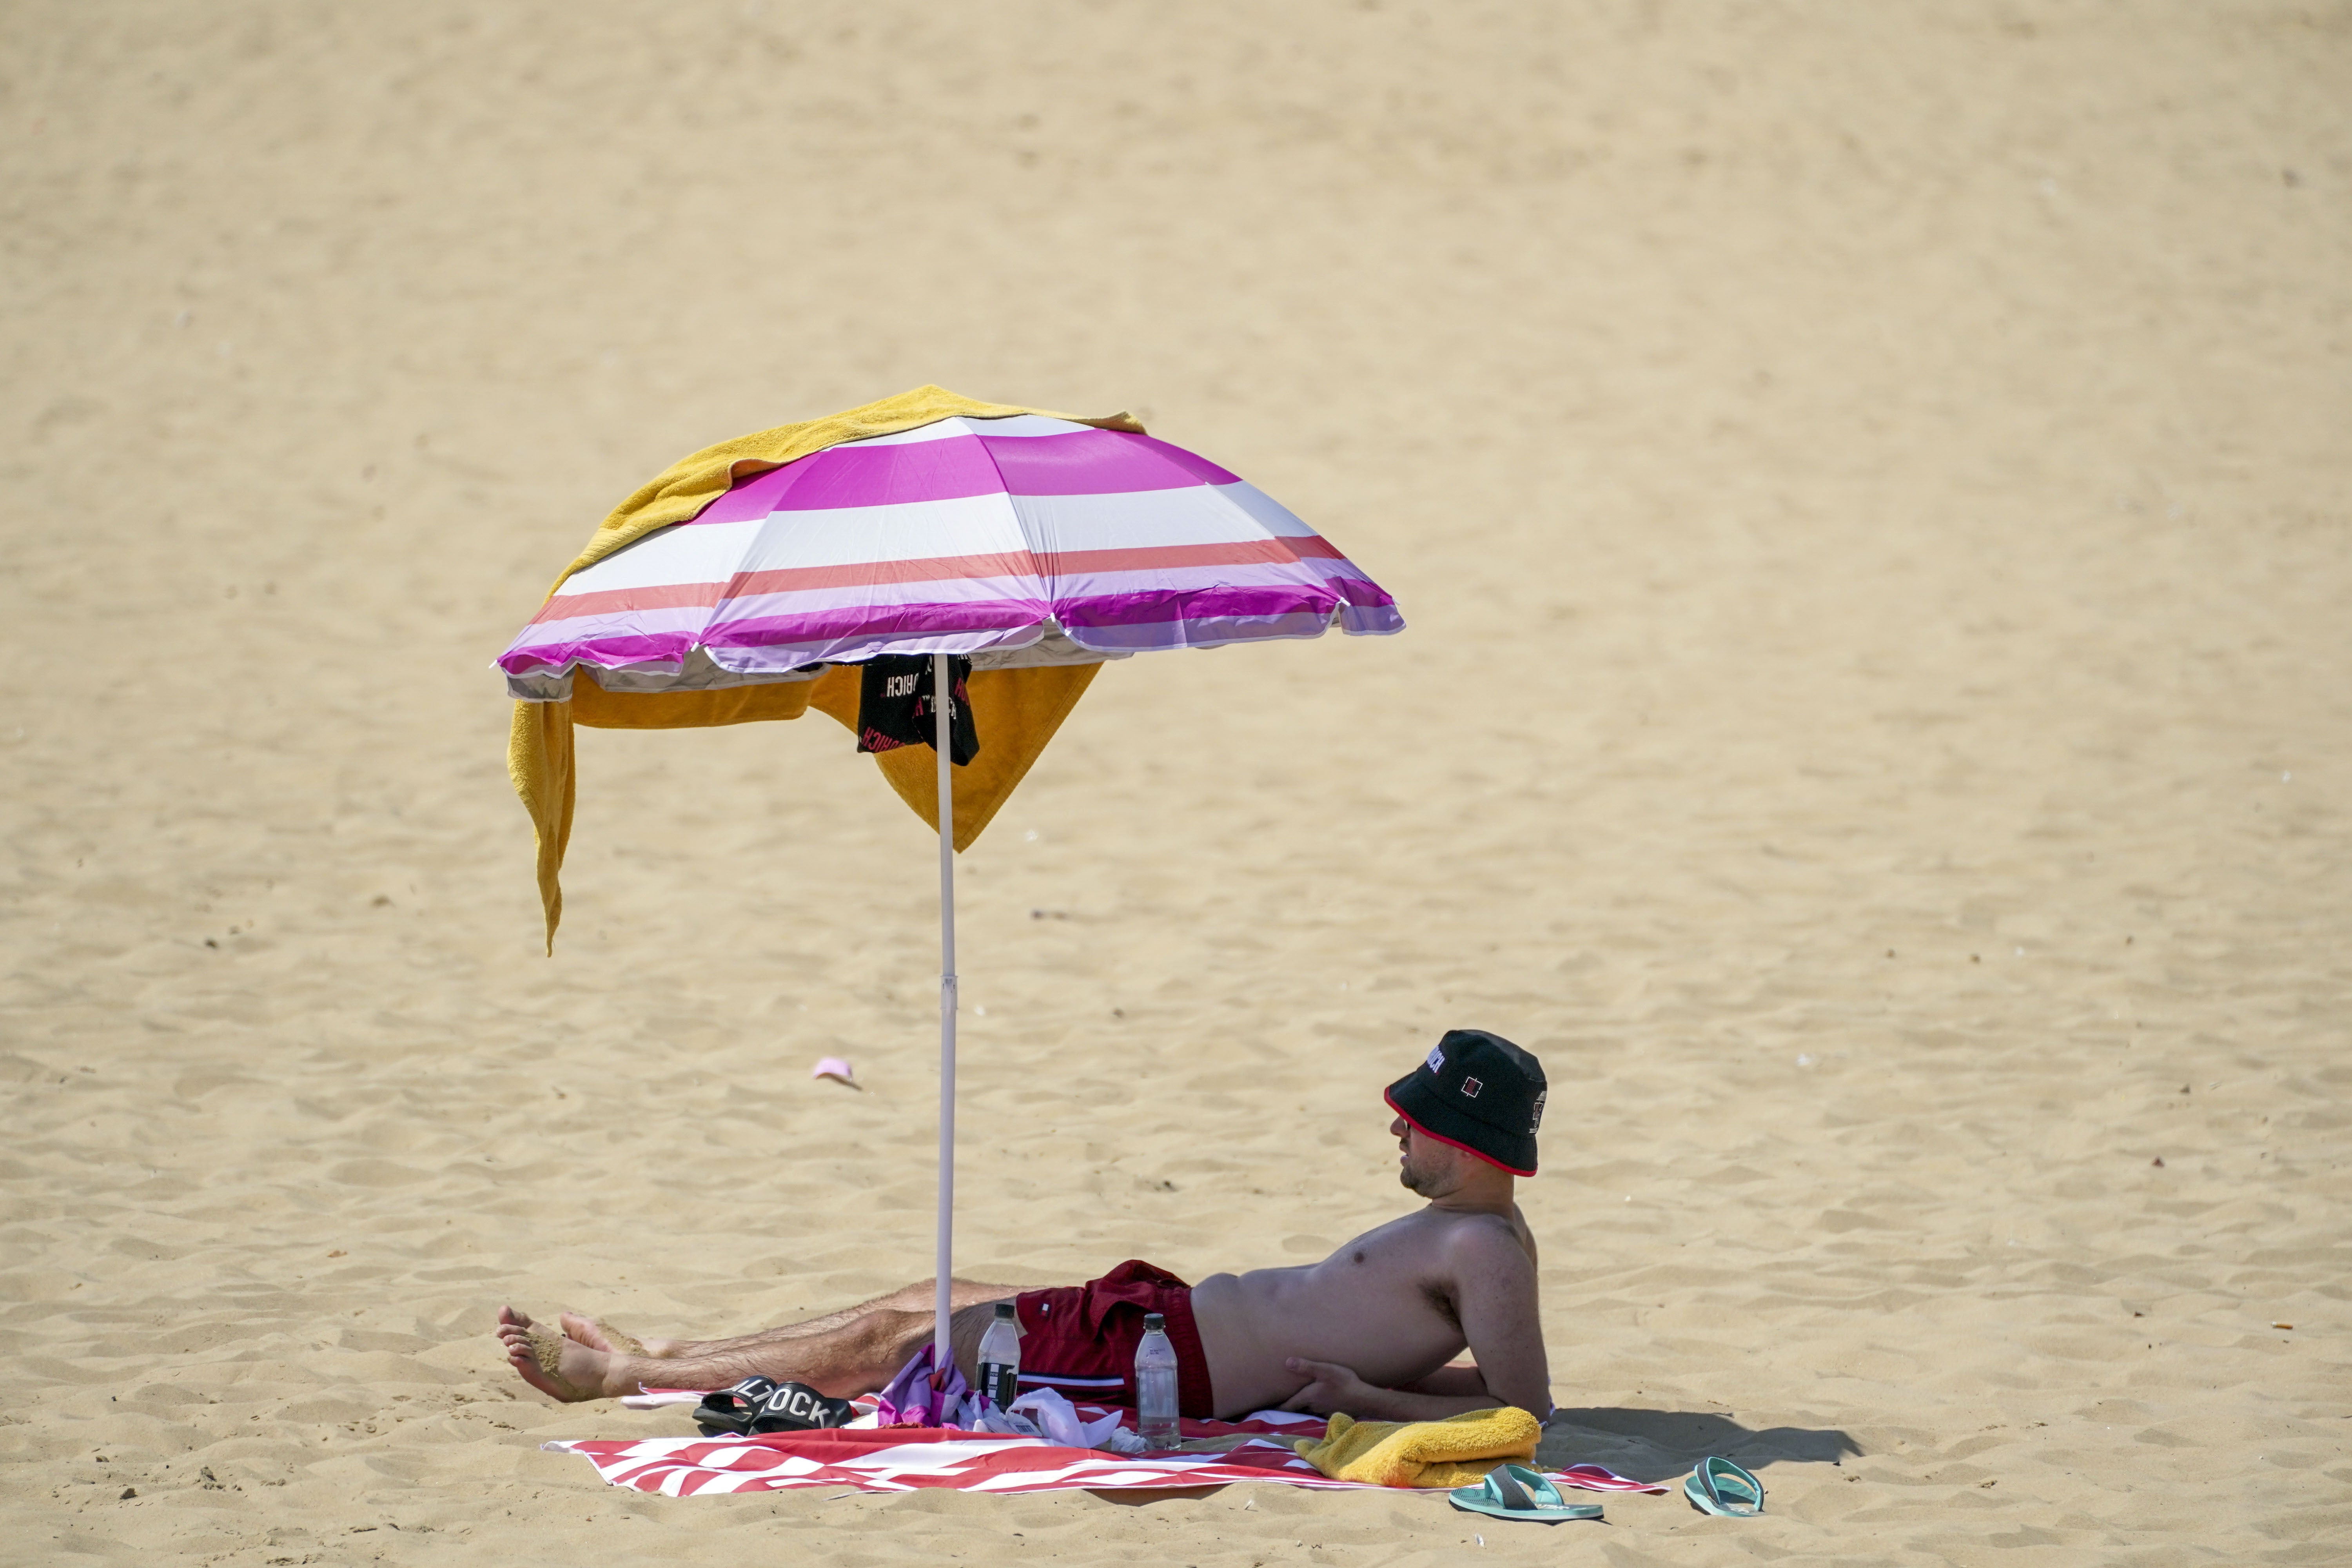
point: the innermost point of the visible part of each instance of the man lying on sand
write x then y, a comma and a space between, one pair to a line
1370, 1330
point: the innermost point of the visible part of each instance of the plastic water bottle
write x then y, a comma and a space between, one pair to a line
1000, 1358
1155, 1386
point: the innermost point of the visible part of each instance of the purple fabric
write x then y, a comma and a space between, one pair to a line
1209, 602
917, 1398
751, 500
1093, 610
604, 652
877, 620
1098, 462
1085, 462
1105, 596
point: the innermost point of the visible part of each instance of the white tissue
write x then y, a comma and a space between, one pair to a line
1058, 1419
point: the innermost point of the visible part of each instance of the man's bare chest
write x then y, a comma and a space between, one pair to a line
1401, 1263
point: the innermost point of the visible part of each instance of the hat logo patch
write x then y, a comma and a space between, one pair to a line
1535, 1124
1437, 1062
1470, 1088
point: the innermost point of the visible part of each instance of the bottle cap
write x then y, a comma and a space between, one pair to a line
1153, 1323
1003, 1311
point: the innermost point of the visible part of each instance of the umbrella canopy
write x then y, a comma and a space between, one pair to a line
1019, 539
752, 580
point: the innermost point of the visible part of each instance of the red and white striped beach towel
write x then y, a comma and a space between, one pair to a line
903, 1458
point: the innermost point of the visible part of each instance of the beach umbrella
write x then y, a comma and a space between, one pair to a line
925, 569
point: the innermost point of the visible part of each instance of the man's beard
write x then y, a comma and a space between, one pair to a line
1411, 1179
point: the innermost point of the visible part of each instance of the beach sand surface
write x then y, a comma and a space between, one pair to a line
1868, 486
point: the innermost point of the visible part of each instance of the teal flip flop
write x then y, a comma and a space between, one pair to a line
1515, 1491
1720, 1487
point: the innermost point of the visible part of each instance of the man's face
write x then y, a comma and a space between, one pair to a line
1424, 1166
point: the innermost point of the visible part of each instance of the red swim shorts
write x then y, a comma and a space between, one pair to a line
1079, 1340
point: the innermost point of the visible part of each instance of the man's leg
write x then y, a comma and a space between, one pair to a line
597, 1334
916, 1298
855, 1357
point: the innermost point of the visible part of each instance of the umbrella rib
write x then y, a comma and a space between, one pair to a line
1004, 488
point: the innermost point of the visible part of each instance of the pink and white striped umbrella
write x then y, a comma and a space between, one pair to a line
966, 536
1017, 540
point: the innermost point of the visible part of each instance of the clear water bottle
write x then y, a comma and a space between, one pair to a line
1155, 1386
1000, 1358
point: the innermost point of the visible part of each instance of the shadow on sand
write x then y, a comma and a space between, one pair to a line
1660, 1444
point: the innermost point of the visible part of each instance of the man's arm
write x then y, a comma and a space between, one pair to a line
1459, 1378
1495, 1285
1335, 1388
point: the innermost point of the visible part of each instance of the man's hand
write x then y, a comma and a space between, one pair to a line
1335, 1388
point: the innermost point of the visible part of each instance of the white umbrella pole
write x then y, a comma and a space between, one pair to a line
943, 701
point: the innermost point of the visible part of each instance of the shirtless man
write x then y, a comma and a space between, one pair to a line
1372, 1329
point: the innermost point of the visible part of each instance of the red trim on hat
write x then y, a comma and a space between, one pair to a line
1441, 1138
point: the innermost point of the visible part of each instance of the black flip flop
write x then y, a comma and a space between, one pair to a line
797, 1407
730, 1411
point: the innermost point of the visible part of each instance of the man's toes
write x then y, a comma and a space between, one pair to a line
600, 1336
511, 1319
558, 1367
586, 1329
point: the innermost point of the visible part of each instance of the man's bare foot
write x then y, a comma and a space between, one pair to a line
597, 1334
558, 1367
600, 1335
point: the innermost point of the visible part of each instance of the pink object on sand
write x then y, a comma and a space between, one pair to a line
836, 1068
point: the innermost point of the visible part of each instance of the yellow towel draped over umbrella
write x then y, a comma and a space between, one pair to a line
1015, 711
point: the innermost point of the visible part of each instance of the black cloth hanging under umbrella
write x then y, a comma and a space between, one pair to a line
893, 706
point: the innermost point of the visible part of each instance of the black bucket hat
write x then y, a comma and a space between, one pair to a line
1478, 1092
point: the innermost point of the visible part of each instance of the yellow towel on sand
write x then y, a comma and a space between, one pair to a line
1015, 711
1453, 1452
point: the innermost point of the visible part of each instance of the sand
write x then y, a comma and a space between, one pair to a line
1867, 485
